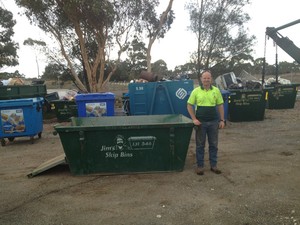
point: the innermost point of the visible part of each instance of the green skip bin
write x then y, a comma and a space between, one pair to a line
126, 144
282, 96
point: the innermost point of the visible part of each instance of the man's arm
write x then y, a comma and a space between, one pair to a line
191, 111
221, 113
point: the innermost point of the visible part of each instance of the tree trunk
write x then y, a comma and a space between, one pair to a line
162, 21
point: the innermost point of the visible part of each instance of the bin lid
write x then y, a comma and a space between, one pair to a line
246, 90
225, 92
95, 96
20, 102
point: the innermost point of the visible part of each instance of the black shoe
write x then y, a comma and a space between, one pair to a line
200, 171
216, 170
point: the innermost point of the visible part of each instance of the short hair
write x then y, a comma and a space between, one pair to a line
205, 71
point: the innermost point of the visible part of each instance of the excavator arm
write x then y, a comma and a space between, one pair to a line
284, 42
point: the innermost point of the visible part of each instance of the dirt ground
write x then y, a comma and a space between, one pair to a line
260, 183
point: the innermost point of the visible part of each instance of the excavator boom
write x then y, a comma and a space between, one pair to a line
284, 42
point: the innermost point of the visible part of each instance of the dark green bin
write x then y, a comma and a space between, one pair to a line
281, 96
64, 109
246, 105
126, 144
22, 91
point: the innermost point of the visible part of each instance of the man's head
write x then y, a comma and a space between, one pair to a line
206, 79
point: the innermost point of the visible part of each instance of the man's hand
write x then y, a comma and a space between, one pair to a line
221, 124
196, 122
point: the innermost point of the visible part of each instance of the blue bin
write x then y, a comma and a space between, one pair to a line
159, 98
20, 118
95, 104
225, 95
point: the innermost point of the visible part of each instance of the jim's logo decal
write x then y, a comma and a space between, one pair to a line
123, 148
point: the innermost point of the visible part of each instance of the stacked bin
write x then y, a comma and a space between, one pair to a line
48, 98
246, 105
64, 109
126, 144
22, 91
20, 118
95, 104
159, 98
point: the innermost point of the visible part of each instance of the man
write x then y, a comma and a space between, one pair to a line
206, 98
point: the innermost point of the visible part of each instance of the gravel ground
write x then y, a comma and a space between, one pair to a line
260, 183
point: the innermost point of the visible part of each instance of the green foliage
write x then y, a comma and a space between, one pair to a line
123, 72
151, 22
219, 26
189, 68
286, 67
160, 68
56, 72
32, 42
137, 57
87, 30
8, 48
5, 75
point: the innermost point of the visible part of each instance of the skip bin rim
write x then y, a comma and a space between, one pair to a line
95, 96
18, 91
185, 122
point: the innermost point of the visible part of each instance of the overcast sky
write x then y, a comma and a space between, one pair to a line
178, 43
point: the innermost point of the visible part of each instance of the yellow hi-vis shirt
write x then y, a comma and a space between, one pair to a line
206, 102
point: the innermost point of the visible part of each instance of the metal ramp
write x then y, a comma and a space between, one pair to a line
58, 160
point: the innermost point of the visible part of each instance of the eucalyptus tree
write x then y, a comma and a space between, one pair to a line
56, 72
219, 28
188, 68
160, 67
155, 26
137, 57
34, 44
8, 48
88, 27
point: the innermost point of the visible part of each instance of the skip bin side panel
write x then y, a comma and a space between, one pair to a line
182, 141
120, 151
74, 152
282, 97
135, 150
179, 92
247, 105
64, 109
159, 98
22, 91
140, 95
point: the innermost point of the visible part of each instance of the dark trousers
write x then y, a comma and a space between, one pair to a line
209, 130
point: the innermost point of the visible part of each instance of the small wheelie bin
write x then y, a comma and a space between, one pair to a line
20, 118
